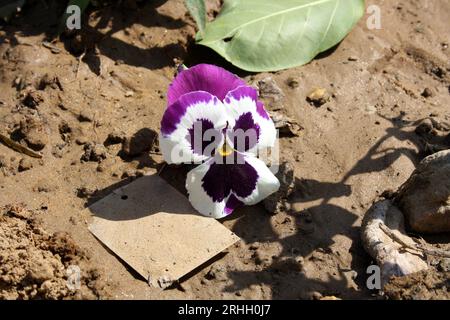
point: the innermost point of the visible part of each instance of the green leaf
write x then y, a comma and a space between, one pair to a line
197, 9
8, 8
268, 35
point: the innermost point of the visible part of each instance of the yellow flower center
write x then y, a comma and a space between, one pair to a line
225, 150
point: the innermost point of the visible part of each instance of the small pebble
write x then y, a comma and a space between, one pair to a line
293, 82
427, 92
318, 97
25, 164
85, 116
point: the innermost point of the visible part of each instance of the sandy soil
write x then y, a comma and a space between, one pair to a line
81, 101
37, 265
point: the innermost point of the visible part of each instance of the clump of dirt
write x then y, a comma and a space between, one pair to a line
37, 265
424, 285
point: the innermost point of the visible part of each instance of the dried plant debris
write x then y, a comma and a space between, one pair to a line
268, 88
391, 255
272, 95
435, 135
18, 147
287, 126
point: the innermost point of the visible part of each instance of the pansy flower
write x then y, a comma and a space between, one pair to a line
214, 119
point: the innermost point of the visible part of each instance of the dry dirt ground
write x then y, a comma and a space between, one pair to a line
81, 100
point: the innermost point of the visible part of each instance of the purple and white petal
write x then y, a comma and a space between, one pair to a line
203, 77
237, 177
245, 133
202, 201
247, 112
184, 137
216, 189
266, 182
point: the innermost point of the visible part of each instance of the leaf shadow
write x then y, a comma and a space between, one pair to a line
314, 230
91, 41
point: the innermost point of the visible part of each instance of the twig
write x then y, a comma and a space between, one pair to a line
18, 147
162, 168
94, 126
416, 247
54, 49
79, 62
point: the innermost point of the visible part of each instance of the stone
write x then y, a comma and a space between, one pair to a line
286, 126
142, 141
427, 92
425, 126
268, 88
318, 97
425, 197
293, 82
25, 164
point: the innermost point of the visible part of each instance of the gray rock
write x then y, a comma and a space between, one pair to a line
425, 197
287, 126
268, 89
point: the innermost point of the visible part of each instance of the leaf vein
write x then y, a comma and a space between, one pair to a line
276, 14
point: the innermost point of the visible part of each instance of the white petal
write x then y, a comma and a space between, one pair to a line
243, 100
199, 199
266, 184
